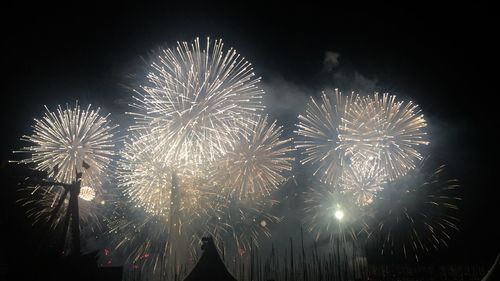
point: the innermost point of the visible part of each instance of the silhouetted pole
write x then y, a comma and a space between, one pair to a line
338, 259
292, 275
75, 215
304, 269
174, 216
57, 207
251, 260
62, 241
72, 212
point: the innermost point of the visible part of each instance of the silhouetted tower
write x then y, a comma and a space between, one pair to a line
72, 212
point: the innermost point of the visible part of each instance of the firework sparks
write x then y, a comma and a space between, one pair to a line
383, 128
71, 140
362, 180
255, 167
319, 129
198, 100
171, 207
416, 213
147, 179
195, 105
356, 128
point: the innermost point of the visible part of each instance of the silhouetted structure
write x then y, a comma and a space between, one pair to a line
210, 266
46, 264
72, 212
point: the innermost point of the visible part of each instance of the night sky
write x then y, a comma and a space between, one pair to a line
435, 56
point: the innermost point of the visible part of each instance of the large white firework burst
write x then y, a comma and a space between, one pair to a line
380, 127
319, 132
70, 140
255, 167
197, 99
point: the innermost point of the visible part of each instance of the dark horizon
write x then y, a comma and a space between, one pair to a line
432, 55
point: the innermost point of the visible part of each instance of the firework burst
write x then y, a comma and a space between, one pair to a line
417, 213
319, 132
362, 180
197, 100
145, 179
255, 167
383, 128
195, 105
71, 140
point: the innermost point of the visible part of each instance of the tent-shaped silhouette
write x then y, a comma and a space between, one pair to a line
210, 266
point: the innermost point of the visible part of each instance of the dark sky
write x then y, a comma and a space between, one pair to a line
436, 56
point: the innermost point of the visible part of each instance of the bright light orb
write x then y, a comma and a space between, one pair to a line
339, 214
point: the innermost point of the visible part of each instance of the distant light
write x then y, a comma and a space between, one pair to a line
339, 214
87, 193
